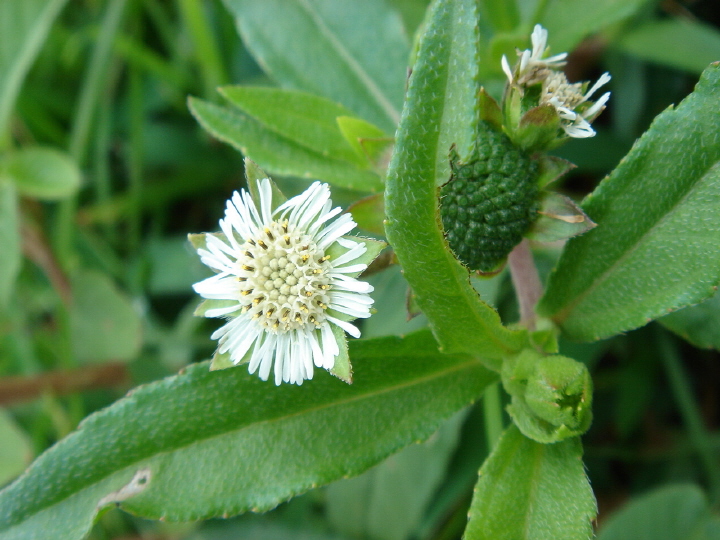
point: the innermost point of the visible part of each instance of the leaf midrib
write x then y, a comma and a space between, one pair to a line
466, 364
565, 312
356, 68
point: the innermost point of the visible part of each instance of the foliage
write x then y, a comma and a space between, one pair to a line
126, 124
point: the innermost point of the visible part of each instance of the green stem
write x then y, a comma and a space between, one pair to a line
683, 394
492, 412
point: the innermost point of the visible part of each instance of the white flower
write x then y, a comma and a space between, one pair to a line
282, 288
532, 67
568, 98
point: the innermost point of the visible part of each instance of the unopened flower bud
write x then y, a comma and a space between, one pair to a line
551, 396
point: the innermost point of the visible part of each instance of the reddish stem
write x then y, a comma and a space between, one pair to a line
526, 281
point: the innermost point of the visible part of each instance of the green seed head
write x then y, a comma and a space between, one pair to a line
489, 202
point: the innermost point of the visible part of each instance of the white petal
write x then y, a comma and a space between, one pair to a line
329, 345
317, 353
350, 255
604, 78
219, 312
282, 360
346, 283
349, 269
266, 353
265, 190
597, 106
349, 328
342, 225
506, 68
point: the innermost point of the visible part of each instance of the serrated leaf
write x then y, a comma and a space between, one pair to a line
43, 173
655, 247
699, 324
532, 491
277, 154
560, 218
9, 239
354, 53
679, 43
304, 118
670, 513
223, 442
440, 111
104, 324
24, 27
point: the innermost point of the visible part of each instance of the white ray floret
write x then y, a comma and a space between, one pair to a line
282, 290
531, 67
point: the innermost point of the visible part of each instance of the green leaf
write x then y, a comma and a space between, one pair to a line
670, 513
278, 154
700, 324
389, 501
679, 43
44, 173
104, 324
532, 491
369, 141
570, 21
9, 239
23, 27
15, 448
655, 247
306, 119
369, 213
213, 443
354, 53
440, 111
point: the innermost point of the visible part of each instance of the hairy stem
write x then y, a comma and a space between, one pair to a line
526, 281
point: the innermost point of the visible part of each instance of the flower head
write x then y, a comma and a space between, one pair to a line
284, 277
570, 100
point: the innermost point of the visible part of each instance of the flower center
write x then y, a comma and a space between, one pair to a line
557, 89
284, 278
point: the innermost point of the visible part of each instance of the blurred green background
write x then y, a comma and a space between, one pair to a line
103, 173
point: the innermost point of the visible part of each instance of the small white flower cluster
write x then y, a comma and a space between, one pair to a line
284, 289
569, 99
